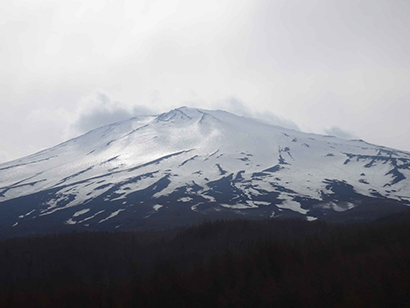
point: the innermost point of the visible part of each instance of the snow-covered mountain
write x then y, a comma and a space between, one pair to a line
189, 164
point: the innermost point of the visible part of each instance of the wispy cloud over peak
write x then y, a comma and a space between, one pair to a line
339, 132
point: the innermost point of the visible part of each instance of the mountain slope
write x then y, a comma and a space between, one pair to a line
190, 163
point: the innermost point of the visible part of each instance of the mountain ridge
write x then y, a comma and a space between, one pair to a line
200, 163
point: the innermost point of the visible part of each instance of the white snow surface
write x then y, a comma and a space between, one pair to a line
196, 147
156, 207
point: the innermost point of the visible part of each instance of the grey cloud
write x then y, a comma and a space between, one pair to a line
236, 106
320, 63
331, 34
143, 110
99, 110
3, 157
339, 132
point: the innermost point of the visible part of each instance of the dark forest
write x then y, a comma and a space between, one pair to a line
235, 263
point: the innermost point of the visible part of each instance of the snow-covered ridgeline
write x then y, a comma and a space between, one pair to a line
196, 148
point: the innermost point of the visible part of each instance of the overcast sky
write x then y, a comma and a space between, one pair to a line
325, 66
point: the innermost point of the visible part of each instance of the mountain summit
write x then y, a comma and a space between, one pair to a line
191, 164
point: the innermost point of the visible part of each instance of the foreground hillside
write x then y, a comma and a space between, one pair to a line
191, 164
216, 264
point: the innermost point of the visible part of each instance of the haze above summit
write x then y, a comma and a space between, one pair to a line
330, 67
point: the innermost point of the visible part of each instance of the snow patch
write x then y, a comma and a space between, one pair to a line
113, 214
292, 205
70, 222
185, 199
91, 217
238, 206
338, 207
27, 214
261, 203
157, 207
82, 212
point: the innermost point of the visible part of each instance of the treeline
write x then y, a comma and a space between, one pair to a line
236, 263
